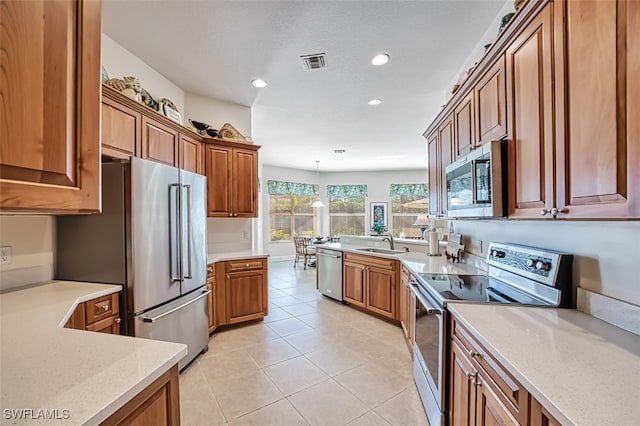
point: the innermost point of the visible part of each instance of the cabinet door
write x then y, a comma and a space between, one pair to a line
245, 186
598, 166
218, 165
489, 409
529, 81
539, 416
434, 174
121, 128
246, 296
380, 292
445, 137
211, 286
462, 391
491, 108
464, 140
190, 153
110, 325
159, 143
50, 106
354, 279
402, 310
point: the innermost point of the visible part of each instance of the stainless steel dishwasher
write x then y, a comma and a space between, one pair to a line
330, 273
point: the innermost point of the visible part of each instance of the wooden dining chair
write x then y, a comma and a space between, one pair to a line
304, 249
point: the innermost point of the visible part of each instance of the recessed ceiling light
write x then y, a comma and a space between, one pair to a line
374, 102
339, 151
380, 59
258, 82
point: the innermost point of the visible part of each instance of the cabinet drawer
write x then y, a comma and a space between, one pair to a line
507, 389
369, 260
101, 307
244, 265
109, 325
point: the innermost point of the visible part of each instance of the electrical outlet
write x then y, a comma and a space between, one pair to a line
5, 255
476, 246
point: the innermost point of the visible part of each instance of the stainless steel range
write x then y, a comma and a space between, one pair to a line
517, 274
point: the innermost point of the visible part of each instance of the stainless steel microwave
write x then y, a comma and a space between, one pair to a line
476, 183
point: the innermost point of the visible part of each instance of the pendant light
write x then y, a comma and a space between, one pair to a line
317, 202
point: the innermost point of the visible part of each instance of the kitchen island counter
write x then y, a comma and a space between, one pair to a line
235, 255
583, 370
81, 377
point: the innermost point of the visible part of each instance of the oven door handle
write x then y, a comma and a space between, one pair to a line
429, 307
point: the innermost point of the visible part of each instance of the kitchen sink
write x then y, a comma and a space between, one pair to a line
381, 250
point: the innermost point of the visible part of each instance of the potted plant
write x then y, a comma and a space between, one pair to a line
378, 228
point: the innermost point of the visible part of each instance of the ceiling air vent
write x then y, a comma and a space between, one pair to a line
314, 62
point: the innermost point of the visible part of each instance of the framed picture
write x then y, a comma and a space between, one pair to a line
378, 214
172, 114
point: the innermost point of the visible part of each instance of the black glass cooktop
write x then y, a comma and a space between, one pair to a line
473, 288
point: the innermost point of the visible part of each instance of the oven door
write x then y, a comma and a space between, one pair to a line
429, 355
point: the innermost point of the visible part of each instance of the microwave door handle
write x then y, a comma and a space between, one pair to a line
474, 186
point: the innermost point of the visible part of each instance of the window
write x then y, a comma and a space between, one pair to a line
347, 209
290, 211
407, 202
290, 215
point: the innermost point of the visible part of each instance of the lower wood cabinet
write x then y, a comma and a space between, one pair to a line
372, 283
211, 286
101, 314
158, 404
407, 312
240, 291
482, 391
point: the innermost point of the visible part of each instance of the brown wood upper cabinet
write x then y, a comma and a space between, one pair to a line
441, 147
50, 106
121, 130
598, 133
490, 107
464, 126
232, 178
159, 142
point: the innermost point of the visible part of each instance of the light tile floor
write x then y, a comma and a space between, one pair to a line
312, 361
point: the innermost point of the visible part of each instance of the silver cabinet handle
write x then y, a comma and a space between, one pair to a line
556, 212
118, 320
474, 354
544, 212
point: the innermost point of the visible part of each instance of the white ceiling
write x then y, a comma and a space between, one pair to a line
215, 48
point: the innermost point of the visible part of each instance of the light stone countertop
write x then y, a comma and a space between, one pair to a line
584, 371
234, 255
90, 374
415, 261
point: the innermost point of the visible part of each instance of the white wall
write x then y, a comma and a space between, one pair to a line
378, 188
216, 113
606, 253
32, 242
119, 62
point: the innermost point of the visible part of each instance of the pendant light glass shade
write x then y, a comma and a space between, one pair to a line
317, 203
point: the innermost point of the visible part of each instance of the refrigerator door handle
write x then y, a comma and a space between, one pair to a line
189, 274
174, 240
170, 311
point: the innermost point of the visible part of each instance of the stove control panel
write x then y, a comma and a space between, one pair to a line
538, 264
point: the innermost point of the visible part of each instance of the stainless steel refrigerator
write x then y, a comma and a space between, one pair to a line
151, 238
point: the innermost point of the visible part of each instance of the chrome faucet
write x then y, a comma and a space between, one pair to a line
389, 237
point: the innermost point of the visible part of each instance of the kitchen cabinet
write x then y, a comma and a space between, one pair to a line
158, 404
597, 154
539, 416
464, 126
159, 142
530, 104
440, 146
372, 283
211, 286
50, 106
407, 313
190, 157
101, 314
121, 130
491, 104
242, 296
232, 178
481, 391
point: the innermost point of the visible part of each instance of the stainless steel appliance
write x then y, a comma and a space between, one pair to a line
517, 274
151, 238
476, 183
329, 264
